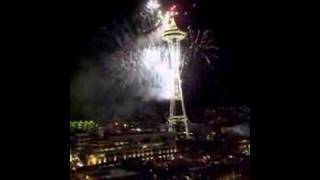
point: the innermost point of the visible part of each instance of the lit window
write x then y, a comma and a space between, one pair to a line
79, 164
92, 160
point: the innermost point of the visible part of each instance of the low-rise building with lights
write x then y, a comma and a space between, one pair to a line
244, 146
146, 147
82, 132
80, 141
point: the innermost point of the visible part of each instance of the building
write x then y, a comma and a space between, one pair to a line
197, 131
177, 120
82, 132
110, 173
75, 161
146, 147
244, 146
230, 115
80, 141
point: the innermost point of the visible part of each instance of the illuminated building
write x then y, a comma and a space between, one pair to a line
75, 161
172, 35
81, 140
82, 133
244, 147
145, 147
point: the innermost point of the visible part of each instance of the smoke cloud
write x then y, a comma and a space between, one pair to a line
240, 129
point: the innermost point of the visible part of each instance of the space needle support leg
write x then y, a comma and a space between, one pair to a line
185, 121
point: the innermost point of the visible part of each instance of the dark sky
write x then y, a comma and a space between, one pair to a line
229, 83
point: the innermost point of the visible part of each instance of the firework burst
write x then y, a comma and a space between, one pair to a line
144, 59
199, 45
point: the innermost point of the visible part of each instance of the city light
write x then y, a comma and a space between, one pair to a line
92, 160
79, 164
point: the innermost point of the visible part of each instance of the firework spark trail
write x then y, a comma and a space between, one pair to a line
135, 66
147, 66
199, 45
143, 59
149, 18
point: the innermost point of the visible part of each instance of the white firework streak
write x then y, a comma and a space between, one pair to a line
199, 45
145, 62
148, 67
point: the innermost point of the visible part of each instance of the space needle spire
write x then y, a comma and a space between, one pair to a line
177, 120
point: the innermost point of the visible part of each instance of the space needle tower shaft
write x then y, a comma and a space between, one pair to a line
172, 35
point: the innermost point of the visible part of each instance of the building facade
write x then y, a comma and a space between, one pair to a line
146, 147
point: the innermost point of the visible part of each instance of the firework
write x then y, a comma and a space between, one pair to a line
150, 17
144, 60
136, 66
153, 5
199, 45
147, 67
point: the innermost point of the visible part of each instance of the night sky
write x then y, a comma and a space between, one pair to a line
229, 82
